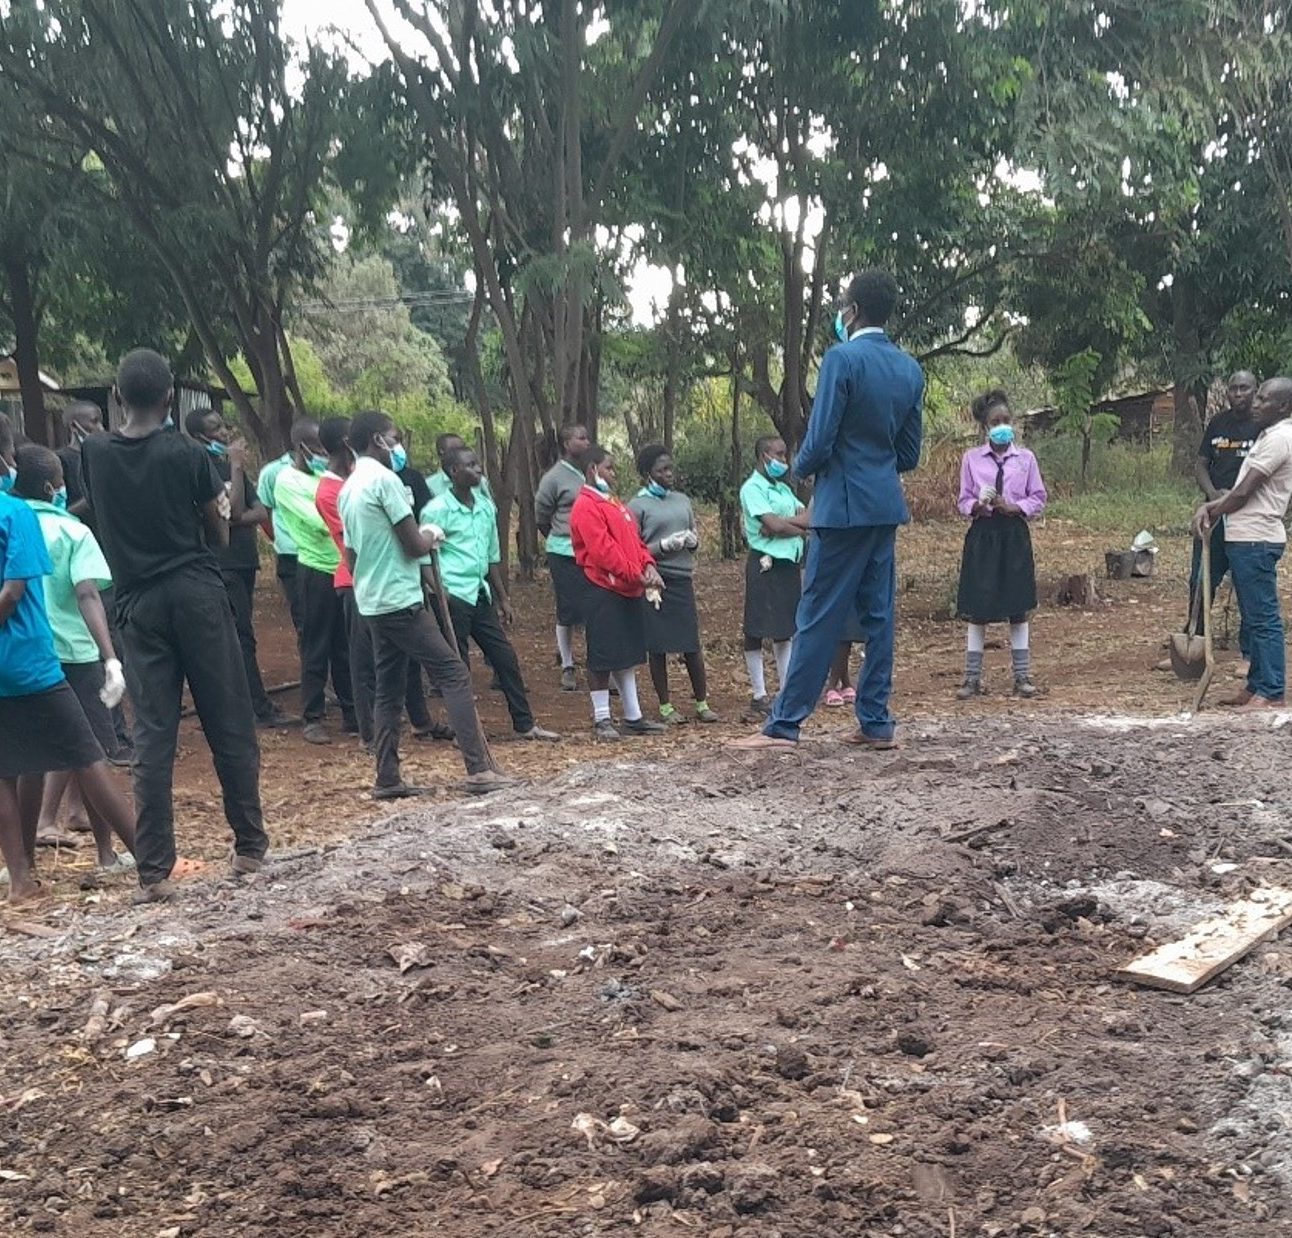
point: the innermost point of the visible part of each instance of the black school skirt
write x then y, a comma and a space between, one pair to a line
675, 627
570, 586
615, 628
997, 572
771, 598
44, 732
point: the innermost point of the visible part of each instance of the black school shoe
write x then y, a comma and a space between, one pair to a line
643, 726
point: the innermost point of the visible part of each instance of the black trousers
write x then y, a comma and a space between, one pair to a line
413, 636
286, 572
120, 724
181, 628
240, 585
363, 674
323, 645
481, 624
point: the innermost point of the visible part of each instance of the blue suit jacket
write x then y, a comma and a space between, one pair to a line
866, 427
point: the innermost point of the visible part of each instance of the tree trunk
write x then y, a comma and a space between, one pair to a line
729, 501
1188, 376
1086, 435
672, 373
26, 357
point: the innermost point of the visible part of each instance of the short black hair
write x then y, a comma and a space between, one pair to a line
77, 409
982, 406
443, 440
455, 455
649, 457
37, 468
566, 432
144, 379
763, 443
6, 434
193, 422
594, 455
302, 428
874, 293
333, 432
367, 426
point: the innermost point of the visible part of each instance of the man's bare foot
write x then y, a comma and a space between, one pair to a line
156, 892
28, 891
52, 836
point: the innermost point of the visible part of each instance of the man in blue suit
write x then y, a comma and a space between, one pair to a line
866, 428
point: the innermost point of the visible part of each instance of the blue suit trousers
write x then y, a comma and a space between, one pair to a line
846, 568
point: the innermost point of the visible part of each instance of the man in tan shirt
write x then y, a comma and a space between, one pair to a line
1255, 538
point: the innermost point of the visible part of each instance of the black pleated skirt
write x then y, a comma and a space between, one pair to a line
997, 571
615, 628
44, 732
771, 598
675, 627
570, 586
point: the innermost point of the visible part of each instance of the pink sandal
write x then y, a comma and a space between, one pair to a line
834, 699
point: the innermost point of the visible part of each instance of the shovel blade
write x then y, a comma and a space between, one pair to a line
1188, 656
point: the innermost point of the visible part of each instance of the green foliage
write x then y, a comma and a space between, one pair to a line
1074, 392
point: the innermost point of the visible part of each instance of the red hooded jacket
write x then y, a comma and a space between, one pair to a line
607, 545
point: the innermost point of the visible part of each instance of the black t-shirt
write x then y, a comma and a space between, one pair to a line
147, 496
416, 482
71, 459
241, 554
1225, 443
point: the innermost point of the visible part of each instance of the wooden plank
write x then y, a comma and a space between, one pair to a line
1188, 963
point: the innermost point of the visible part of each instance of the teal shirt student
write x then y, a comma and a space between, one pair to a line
283, 543
471, 545
760, 496
76, 557
371, 503
439, 485
28, 663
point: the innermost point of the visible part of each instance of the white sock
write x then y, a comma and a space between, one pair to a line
976, 641
1020, 635
565, 644
627, 681
757, 677
600, 705
781, 650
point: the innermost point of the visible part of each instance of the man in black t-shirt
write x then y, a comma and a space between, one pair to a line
240, 560
157, 502
1225, 443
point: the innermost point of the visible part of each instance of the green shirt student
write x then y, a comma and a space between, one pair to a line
74, 551
294, 509
439, 485
283, 543
760, 496
470, 546
372, 501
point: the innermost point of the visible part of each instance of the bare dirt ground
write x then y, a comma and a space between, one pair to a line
660, 990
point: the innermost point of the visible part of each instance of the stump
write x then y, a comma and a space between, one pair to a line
1076, 591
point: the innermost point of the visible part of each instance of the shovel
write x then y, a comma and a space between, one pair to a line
1188, 648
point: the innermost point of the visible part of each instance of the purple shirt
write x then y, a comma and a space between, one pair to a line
1023, 485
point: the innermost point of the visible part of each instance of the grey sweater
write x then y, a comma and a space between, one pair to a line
553, 500
661, 518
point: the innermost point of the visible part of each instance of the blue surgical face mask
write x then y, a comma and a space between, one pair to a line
603, 485
398, 458
776, 469
6, 479
1001, 436
59, 498
217, 448
169, 423
318, 465
840, 329
655, 489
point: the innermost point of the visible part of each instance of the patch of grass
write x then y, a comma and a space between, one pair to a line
1163, 509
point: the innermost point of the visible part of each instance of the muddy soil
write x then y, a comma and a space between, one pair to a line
812, 994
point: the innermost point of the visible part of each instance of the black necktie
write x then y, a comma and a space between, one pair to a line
1000, 476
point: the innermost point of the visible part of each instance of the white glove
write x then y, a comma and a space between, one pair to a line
223, 505
672, 543
114, 684
986, 494
692, 539
655, 597
434, 533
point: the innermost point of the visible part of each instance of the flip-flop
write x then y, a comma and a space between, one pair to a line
124, 863
57, 838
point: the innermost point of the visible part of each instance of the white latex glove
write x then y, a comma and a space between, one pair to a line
655, 597
986, 494
672, 543
434, 533
692, 539
114, 684
223, 505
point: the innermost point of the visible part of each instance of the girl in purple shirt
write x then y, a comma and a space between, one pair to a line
1000, 491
